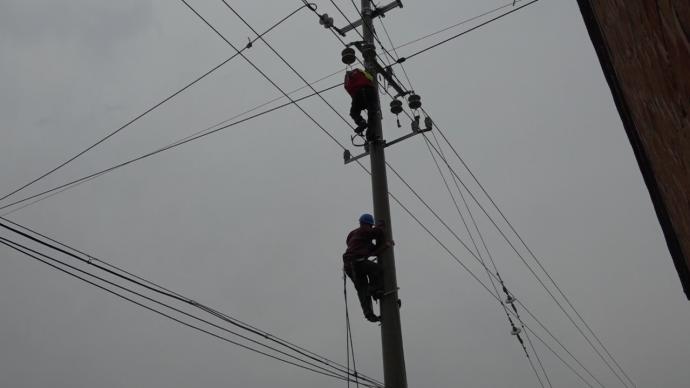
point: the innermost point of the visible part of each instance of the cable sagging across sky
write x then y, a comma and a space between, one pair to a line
292, 351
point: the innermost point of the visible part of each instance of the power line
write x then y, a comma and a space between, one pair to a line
488, 252
362, 166
283, 59
512, 228
475, 277
403, 59
151, 286
245, 58
168, 147
309, 366
464, 21
476, 258
292, 68
154, 107
493, 284
310, 6
519, 255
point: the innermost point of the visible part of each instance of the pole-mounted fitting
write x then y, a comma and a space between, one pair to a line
326, 21
368, 50
348, 56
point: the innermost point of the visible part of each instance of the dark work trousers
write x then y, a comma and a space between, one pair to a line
366, 276
364, 98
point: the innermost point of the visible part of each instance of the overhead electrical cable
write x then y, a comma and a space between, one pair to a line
168, 147
512, 228
154, 107
493, 284
403, 59
301, 363
491, 279
244, 21
475, 277
497, 297
360, 164
486, 249
515, 250
331, 136
460, 23
324, 130
151, 286
395, 51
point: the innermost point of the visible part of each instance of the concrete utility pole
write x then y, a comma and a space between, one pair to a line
391, 334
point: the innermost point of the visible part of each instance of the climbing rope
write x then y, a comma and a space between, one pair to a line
349, 345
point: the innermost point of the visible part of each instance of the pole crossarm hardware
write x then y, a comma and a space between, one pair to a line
386, 73
377, 12
416, 130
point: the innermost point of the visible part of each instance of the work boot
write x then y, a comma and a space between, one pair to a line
361, 126
376, 294
371, 317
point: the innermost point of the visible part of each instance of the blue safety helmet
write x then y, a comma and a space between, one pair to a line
367, 219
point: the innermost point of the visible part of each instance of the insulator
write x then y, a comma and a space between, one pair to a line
510, 299
348, 56
428, 123
414, 101
515, 331
396, 106
326, 21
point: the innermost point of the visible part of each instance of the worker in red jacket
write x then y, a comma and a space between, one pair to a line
363, 242
360, 86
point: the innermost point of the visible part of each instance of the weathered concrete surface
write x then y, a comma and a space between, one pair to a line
644, 50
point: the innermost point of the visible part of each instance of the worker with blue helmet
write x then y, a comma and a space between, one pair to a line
366, 241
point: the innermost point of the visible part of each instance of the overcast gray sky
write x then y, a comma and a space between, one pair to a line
252, 219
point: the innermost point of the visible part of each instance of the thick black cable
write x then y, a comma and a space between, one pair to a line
170, 146
234, 321
34, 254
132, 121
348, 330
86, 261
403, 59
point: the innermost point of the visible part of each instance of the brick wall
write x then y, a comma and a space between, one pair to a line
644, 50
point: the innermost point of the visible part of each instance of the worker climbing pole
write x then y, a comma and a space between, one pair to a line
364, 242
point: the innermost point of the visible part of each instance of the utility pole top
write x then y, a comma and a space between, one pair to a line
370, 14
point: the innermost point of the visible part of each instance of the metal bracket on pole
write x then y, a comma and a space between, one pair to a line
416, 130
386, 73
379, 11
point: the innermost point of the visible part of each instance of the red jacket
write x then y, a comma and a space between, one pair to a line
362, 242
356, 79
